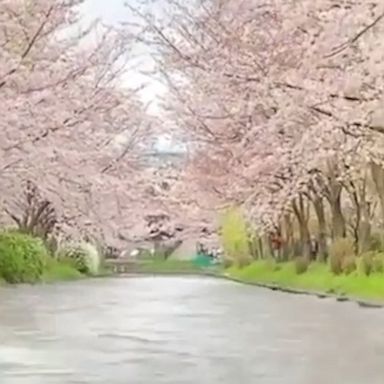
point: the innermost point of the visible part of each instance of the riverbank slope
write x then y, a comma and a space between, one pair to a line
317, 279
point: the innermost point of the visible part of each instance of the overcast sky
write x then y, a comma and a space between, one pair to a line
114, 12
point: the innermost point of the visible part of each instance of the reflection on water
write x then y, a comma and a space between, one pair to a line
181, 331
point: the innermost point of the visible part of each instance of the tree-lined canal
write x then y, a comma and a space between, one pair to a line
184, 330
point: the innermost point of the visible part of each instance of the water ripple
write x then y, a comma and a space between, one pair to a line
183, 331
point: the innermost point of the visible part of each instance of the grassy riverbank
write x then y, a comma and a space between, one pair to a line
57, 272
317, 278
25, 259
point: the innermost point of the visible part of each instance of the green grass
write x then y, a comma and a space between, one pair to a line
60, 272
56, 272
318, 278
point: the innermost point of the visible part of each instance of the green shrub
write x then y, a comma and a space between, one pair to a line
376, 242
273, 265
277, 267
93, 259
371, 262
367, 263
239, 261
243, 260
23, 258
336, 265
348, 265
301, 264
235, 238
255, 244
339, 250
83, 256
227, 262
51, 243
378, 263
74, 256
60, 271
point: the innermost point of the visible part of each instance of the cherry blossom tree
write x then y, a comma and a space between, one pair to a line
283, 101
67, 123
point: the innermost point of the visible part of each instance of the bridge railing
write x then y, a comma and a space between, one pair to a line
122, 266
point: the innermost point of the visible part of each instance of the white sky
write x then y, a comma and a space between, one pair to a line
113, 12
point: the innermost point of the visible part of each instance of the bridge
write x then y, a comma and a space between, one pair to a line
123, 265
128, 266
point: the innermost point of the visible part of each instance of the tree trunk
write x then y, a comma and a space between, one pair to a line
362, 225
322, 236
333, 195
377, 173
268, 249
356, 225
260, 247
253, 244
364, 235
338, 221
288, 237
302, 219
365, 222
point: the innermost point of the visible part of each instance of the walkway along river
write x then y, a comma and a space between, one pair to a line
182, 331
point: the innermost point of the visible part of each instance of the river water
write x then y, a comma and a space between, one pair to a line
183, 331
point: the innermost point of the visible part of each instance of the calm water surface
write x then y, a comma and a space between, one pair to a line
183, 331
